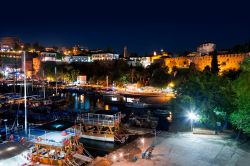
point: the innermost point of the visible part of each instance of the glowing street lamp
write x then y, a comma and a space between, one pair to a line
193, 117
114, 157
121, 154
142, 141
171, 84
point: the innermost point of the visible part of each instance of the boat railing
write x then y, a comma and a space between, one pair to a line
100, 119
98, 122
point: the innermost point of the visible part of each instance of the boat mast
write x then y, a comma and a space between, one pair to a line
107, 81
56, 80
44, 95
25, 95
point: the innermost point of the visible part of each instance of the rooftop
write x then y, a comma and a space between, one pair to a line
52, 138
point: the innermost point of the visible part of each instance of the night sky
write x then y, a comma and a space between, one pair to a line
142, 26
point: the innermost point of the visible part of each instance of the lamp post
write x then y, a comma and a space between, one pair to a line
114, 158
121, 155
193, 117
5, 122
142, 141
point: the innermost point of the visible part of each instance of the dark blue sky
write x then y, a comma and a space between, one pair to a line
142, 26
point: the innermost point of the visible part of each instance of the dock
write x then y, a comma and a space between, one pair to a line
139, 131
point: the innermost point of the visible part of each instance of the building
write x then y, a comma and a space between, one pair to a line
28, 65
81, 80
78, 58
10, 62
50, 49
192, 54
145, 61
125, 52
139, 61
226, 61
36, 66
10, 43
48, 56
104, 56
206, 48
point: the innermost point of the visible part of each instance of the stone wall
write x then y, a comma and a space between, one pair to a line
226, 62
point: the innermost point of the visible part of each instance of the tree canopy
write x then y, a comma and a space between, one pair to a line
205, 93
240, 118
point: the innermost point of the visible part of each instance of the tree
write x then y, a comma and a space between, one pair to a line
231, 74
209, 95
158, 74
160, 77
241, 117
59, 56
27, 46
1, 76
17, 46
71, 75
37, 46
110, 50
214, 64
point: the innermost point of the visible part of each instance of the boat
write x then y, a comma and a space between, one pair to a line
101, 126
113, 99
58, 145
39, 102
136, 104
57, 100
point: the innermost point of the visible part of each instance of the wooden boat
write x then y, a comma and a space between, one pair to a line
101, 126
56, 147
57, 100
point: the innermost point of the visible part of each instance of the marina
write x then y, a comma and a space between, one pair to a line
93, 118
113, 83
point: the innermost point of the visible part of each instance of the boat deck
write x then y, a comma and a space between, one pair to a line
100, 119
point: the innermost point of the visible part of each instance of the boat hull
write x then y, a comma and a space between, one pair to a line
99, 138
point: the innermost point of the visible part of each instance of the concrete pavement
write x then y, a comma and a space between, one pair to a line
186, 149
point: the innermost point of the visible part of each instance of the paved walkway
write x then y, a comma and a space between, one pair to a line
11, 149
186, 149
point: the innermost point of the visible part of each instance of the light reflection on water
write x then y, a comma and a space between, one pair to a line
84, 103
79, 102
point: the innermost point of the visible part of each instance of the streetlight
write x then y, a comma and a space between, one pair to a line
193, 117
5, 121
142, 141
114, 157
171, 84
121, 155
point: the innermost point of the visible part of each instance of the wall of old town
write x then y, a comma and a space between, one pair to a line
226, 62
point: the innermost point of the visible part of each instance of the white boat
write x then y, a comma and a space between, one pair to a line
136, 104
